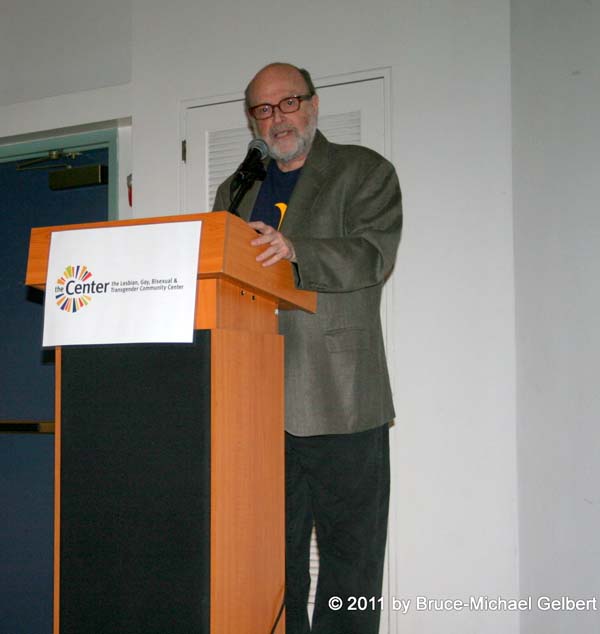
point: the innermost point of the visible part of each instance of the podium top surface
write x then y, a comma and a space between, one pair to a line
225, 252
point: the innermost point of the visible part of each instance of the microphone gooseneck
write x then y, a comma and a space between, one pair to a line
250, 170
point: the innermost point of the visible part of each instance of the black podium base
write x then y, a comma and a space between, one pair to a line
135, 489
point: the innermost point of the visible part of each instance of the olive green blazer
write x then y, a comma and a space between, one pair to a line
344, 219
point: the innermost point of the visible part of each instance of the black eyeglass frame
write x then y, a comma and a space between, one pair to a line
300, 98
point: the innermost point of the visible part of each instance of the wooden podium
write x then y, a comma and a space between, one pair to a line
169, 476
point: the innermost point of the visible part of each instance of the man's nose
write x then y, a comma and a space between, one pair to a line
277, 114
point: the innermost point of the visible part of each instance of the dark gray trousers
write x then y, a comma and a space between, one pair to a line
342, 483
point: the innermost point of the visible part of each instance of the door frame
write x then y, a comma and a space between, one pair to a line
93, 140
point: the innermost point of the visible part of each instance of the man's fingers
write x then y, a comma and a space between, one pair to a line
261, 227
267, 253
273, 260
279, 247
264, 239
267, 233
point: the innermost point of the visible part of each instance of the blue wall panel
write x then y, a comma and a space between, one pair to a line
27, 392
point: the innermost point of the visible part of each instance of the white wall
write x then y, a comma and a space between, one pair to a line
63, 46
65, 63
556, 96
21, 121
453, 526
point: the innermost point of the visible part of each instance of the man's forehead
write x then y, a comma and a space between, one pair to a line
276, 82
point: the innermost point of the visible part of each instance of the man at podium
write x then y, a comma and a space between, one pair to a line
335, 212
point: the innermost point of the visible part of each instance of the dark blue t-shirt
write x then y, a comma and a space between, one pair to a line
274, 195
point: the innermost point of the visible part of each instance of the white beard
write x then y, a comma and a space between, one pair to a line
302, 143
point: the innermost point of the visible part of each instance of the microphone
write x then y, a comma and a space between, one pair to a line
252, 164
250, 170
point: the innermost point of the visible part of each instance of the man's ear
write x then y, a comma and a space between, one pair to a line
315, 103
251, 121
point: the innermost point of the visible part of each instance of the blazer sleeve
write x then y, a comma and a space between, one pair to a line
222, 197
364, 254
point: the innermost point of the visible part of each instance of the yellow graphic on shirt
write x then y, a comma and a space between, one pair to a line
282, 209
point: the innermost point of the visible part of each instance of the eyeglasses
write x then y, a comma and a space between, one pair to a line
286, 106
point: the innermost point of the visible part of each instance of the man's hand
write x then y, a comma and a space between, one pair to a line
280, 247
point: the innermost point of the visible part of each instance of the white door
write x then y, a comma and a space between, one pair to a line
217, 137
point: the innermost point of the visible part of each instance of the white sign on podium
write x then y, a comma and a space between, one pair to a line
131, 284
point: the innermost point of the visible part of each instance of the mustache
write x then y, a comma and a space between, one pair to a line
282, 127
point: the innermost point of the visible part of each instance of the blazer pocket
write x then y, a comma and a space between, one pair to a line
344, 339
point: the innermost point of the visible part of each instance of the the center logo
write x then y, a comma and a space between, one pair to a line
75, 287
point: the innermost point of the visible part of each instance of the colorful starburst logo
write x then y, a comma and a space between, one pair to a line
72, 290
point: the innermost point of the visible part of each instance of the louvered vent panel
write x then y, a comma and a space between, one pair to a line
341, 128
226, 150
